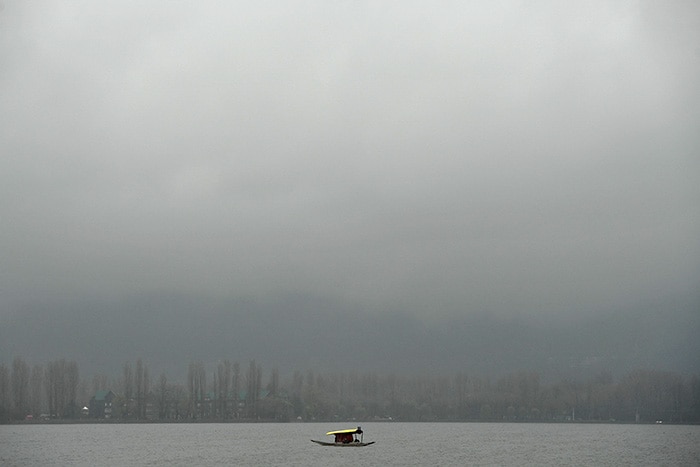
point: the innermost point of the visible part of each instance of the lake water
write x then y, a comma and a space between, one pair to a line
434, 444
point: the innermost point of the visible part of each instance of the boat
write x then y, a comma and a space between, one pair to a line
352, 437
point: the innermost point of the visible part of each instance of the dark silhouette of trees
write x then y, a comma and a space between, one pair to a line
642, 396
128, 390
142, 384
4, 393
162, 396
274, 384
136, 383
253, 385
36, 396
653, 395
236, 387
20, 388
61, 388
222, 388
197, 386
692, 406
72, 381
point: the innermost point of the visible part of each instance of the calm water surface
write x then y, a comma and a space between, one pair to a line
433, 444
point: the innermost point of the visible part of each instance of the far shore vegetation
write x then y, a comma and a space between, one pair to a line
56, 392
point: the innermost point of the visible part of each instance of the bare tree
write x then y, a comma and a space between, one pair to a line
162, 396
138, 382
36, 394
4, 393
49, 378
274, 384
128, 383
236, 386
72, 379
142, 387
191, 383
54, 388
222, 387
253, 381
20, 387
178, 400
62, 381
197, 384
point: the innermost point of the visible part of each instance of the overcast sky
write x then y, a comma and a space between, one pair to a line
430, 158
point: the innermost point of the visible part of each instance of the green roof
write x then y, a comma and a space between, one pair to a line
102, 395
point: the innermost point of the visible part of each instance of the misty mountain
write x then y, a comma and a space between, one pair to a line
300, 333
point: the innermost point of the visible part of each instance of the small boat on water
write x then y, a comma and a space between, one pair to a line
352, 437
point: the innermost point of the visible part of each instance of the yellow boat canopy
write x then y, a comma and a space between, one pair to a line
351, 430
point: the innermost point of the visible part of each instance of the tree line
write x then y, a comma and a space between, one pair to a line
227, 392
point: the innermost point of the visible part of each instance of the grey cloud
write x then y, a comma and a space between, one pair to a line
535, 160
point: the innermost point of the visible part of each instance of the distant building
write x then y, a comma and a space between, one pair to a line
101, 404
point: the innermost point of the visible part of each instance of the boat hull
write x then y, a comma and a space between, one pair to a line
342, 445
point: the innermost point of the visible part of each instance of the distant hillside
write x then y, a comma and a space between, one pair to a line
301, 333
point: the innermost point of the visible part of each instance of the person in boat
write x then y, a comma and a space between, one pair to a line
343, 438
